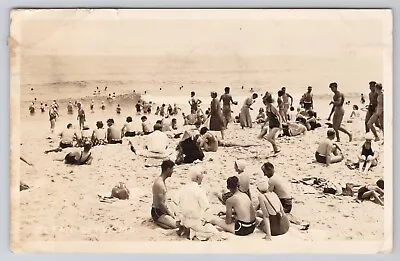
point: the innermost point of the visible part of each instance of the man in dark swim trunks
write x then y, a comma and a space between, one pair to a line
373, 102
306, 100
160, 213
338, 101
239, 203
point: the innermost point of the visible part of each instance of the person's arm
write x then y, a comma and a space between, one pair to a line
291, 98
229, 205
332, 110
328, 154
279, 116
267, 226
302, 100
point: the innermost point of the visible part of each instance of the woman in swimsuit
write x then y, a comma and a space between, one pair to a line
80, 158
274, 220
368, 157
274, 121
374, 193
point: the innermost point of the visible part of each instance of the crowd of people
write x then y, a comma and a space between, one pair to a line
272, 212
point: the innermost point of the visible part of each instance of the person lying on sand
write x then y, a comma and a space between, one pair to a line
114, 135
160, 213
80, 158
368, 157
128, 128
311, 121
99, 135
244, 182
328, 152
67, 139
291, 129
188, 150
274, 222
373, 193
239, 203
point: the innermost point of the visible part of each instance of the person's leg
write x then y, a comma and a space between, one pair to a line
222, 134
221, 223
361, 160
271, 138
368, 164
264, 130
371, 122
348, 133
337, 158
373, 196
367, 117
167, 222
336, 125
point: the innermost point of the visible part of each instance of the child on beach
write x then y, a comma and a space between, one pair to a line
368, 157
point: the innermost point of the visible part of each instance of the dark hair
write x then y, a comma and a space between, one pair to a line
87, 145
167, 164
255, 95
379, 86
372, 83
163, 105
173, 120
99, 124
203, 130
355, 107
280, 93
232, 182
129, 119
330, 133
333, 85
291, 108
227, 89
159, 122
192, 93
268, 98
310, 113
380, 183
69, 125
110, 120
143, 118
157, 126
302, 120
268, 166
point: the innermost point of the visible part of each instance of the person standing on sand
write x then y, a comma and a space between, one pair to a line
281, 106
118, 109
103, 106
216, 119
274, 122
338, 101
42, 109
160, 213
377, 117
194, 102
362, 99
373, 102
226, 99
285, 99
239, 203
245, 117
32, 108
306, 100
92, 106
81, 115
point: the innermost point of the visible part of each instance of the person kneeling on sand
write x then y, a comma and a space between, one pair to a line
244, 182
80, 158
240, 204
374, 193
207, 141
368, 157
188, 150
160, 213
274, 222
114, 135
328, 152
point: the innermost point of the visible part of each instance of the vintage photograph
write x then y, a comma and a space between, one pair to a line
201, 131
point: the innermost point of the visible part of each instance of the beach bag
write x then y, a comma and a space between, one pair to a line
120, 191
283, 220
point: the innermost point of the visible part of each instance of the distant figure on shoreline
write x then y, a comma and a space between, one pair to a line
70, 108
194, 102
32, 109
216, 119
81, 115
118, 109
53, 114
226, 99
306, 100
103, 106
286, 105
92, 106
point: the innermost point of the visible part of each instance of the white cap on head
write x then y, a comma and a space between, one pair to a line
369, 136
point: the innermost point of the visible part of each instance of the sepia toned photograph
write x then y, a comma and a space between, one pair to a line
201, 131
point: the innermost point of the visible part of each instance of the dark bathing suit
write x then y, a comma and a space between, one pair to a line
320, 158
115, 142
307, 105
244, 228
286, 204
272, 120
156, 213
130, 134
361, 192
70, 159
366, 153
65, 145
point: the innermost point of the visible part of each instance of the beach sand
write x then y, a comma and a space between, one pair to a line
62, 202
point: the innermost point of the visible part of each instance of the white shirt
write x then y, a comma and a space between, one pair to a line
244, 181
193, 204
157, 142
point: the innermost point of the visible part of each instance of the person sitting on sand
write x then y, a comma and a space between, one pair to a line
160, 213
278, 186
328, 152
174, 124
99, 135
355, 113
274, 222
191, 118
86, 134
67, 139
368, 157
114, 135
374, 193
188, 150
156, 145
145, 126
292, 129
193, 207
261, 116
128, 128
80, 158
240, 204
244, 182
207, 140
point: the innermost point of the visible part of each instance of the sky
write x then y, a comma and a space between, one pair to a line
203, 32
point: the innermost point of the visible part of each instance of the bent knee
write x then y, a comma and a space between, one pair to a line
369, 158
